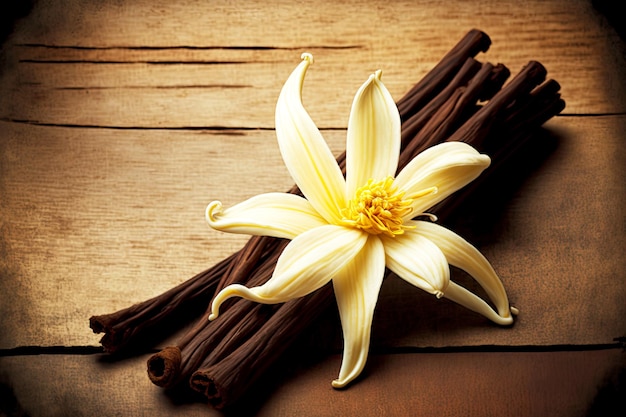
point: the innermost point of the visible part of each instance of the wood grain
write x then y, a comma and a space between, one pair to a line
120, 121
193, 71
498, 384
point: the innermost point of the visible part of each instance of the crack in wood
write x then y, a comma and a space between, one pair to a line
189, 47
215, 128
221, 129
158, 87
619, 343
50, 350
149, 62
604, 114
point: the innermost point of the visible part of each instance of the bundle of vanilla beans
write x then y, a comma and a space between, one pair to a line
460, 99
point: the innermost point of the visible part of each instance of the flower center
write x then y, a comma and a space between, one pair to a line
377, 208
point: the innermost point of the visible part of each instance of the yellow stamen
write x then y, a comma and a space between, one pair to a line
377, 208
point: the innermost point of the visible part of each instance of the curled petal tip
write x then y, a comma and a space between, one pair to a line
378, 74
212, 316
374, 77
438, 294
431, 217
514, 311
214, 208
337, 383
307, 57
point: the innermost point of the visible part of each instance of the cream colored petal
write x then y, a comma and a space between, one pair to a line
448, 166
373, 144
463, 255
356, 290
418, 261
274, 214
472, 302
306, 264
305, 153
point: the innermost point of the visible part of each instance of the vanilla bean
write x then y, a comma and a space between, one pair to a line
141, 324
512, 117
454, 109
525, 147
491, 113
246, 258
539, 106
236, 322
224, 382
413, 124
470, 45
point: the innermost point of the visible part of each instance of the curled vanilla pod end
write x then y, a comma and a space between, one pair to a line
164, 367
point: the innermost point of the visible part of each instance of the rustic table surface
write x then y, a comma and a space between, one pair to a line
121, 120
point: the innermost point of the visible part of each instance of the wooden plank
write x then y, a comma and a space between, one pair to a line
470, 384
502, 384
55, 385
95, 220
115, 74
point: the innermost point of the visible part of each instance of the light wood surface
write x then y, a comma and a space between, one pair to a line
120, 121
541, 384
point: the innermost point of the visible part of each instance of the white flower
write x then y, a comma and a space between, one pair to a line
348, 230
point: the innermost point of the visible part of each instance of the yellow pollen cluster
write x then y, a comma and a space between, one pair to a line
378, 208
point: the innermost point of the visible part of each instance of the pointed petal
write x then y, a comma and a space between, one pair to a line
418, 261
373, 144
356, 290
306, 264
463, 255
305, 153
448, 166
273, 214
473, 302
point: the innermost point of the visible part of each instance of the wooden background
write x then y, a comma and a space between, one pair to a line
120, 120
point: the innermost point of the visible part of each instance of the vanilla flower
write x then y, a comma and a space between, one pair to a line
347, 230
